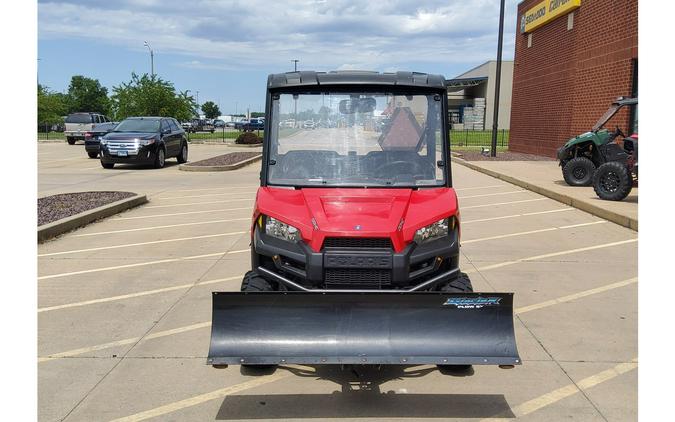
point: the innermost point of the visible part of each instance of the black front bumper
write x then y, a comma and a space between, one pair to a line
345, 268
145, 155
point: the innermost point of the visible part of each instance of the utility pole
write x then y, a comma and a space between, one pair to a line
198, 107
498, 77
152, 59
295, 65
295, 96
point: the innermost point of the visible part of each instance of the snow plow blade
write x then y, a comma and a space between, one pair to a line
362, 328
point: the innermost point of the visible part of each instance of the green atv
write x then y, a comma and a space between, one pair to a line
581, 155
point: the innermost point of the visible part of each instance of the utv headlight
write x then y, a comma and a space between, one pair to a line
434, 231
283, 231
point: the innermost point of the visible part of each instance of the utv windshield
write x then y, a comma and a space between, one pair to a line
356, 139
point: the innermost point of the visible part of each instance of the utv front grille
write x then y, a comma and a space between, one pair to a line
357, 242
357, 278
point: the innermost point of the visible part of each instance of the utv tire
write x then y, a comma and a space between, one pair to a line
107, 165
461, 284
252, 282
612, 181
579, 171
160, 158
92, 154
183, 155
71, 141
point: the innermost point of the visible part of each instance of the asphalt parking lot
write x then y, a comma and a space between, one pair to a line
125, 303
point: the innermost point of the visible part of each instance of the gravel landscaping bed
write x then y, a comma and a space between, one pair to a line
225, 159
56, 207
501, 156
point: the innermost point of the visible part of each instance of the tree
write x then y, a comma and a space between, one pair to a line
51, 106
87, 94
211, 110
151, 96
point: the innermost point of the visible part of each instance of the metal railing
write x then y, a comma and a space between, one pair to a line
478, 138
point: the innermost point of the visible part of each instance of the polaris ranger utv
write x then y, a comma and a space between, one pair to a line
355, 235
581, 155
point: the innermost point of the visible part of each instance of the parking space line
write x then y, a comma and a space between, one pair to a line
574, 296
206, 324
483, 187
203, 398
221, 188
162, 227
198, 196
197, 203
128, 245
555, 396
124, 342
494, 194
140, 264
517, 215
181, 213
550, 255
549, 229
500, 203
137, 294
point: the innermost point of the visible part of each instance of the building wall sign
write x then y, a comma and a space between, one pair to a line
545, 12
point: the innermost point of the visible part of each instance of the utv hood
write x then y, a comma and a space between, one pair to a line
357, 212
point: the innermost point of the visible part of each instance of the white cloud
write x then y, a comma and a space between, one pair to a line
322, 34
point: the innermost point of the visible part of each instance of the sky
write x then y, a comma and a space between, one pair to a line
225, 49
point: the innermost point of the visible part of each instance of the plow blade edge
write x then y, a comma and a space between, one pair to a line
362, 328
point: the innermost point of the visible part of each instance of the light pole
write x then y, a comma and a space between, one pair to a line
498, 78
152, 59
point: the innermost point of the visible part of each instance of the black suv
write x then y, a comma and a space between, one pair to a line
144, 140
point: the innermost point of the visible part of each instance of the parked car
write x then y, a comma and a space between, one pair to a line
309, 124
144, 140
202, 125
253, 124
219, 123
93, 137
76, 124
230, 124
187, 126
288, 123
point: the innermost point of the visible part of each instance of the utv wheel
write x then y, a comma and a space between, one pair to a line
71, 141
107, 165
160, 158
612, 181
92, 154
252, 282
183, 156
461, 284
579, 171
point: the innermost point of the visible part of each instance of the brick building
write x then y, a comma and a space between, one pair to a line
569, 65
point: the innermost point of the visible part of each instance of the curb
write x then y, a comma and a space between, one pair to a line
188, 167
245, 145
53, 229
612, 216
51, 141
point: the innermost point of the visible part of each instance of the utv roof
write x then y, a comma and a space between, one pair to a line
354, 77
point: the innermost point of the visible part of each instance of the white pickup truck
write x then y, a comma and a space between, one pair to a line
77, 124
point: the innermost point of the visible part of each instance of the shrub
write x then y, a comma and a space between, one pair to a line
248, 138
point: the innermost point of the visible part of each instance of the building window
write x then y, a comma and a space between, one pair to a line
570, 21
529, 40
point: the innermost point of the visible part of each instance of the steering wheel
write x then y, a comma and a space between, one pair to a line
410, 164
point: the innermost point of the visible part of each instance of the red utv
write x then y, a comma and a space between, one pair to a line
355, 235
